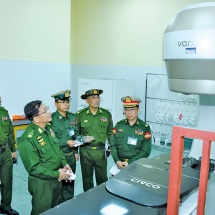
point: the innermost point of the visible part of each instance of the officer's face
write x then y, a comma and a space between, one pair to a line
62, 105
44, 115
131, 113
93, 101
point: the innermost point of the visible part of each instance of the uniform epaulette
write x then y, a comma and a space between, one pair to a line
122, 120
70, 113
30, 133
3, 108
104, 109
143, 123
80, 111
146, 125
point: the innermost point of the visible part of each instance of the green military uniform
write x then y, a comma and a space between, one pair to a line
41, 155
7, 145
130, 142
92, 155
64, 128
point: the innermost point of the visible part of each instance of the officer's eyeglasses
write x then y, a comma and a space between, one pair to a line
130, 110
64, 102
45, 111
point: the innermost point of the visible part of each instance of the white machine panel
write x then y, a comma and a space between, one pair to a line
165, 109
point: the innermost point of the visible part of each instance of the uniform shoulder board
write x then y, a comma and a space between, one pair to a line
143, 123
70, 113
80, 111
30, 134
54, 113
2, 108
122, 120
104, 109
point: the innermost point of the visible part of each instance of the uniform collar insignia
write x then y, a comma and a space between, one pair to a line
52, 133
40, 130
85, 120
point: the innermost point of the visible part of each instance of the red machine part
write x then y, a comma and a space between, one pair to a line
178, 135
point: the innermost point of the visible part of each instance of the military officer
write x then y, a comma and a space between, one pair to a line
96, 125
64, 125
7, 152
44, 161
131, 138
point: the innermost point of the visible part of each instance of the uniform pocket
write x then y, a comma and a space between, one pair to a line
59, 131
103, 124
139, 142
86, 124
46, 153
5, 126
103, 127
119, 135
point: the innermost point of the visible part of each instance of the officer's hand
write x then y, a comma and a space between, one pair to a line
67, 167
76, 157
71, 143
14, 155
63, 175
87, 139
120, 165
125, 163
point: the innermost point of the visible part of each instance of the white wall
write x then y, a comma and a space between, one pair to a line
121, 32
35, 30
22, 82
35, 51
137, 74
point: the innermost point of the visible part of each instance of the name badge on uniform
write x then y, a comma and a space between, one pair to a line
71, 132
132, 141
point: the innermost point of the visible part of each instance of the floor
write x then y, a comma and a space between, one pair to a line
21, 198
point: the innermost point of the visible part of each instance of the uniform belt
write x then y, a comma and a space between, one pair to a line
69, 153
3, 149
124, 159
94, 147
